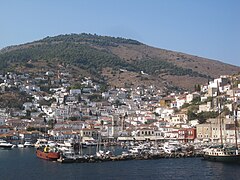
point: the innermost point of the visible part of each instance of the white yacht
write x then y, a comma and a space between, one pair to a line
21, 146
41, 142
65, 146
170, 147
28, 144
5, 145
134, 150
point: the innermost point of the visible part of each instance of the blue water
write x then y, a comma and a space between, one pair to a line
23, 164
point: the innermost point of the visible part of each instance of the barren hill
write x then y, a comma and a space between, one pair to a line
117, 61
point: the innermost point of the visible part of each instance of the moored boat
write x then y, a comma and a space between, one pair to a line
21, 146
47, 153
67, 157
28, 144
41, 143
5, 145
221, 154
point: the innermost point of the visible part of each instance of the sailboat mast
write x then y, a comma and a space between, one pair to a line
235, 128
220, 121
219, 106
235, 118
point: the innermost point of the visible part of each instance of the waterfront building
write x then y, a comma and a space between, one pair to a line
4, 129
186, 135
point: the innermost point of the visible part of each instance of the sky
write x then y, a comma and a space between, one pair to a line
205, 28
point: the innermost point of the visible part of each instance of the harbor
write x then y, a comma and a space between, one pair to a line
143, 151
69, 152
72, 151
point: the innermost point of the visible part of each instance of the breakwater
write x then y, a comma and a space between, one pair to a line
125, 157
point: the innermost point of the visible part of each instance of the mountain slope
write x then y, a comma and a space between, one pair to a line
119, 61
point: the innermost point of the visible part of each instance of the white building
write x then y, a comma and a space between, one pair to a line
190, 97
2, 121
75, 91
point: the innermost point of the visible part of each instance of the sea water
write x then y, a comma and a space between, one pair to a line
23, 164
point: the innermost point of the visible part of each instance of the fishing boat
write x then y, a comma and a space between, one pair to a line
47, 153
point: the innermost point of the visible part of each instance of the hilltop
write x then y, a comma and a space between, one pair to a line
118, 62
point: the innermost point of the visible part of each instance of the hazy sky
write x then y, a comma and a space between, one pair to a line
206, 28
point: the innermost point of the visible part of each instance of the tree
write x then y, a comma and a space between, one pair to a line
226, 111
28, 114
29, 128
51, 123
197, 87
95, 97
117, 103
44, 120
185, 105
196, 100
191, 115
90, 113
73, 118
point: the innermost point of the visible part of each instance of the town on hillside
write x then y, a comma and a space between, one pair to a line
49, 106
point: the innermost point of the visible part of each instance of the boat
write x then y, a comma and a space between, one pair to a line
28, 144
67, 156
65, 146
47, 153
5, 145
66, 160
90, 143
41, 143
21, 146
171, 146
51, 143
134, 150
222, 153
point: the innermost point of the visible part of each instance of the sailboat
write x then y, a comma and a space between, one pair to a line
221, 153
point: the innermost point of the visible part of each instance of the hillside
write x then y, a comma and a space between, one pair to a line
116, 61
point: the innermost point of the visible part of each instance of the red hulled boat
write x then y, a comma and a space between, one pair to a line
45, 153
